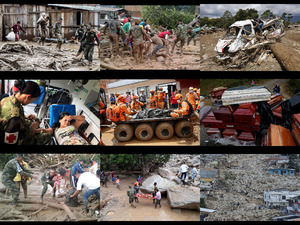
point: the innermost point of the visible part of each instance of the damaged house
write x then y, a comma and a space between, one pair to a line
72, 14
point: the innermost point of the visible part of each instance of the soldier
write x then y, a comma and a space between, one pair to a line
16, 128
78, 36
42, 23
180, 36
58, 33
88, 44
47, 179
158, 45
138, 34
73, 202
22, 180
191, 35
114, 27
130, 194
10, 171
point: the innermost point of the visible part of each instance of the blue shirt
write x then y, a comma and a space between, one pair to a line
143, 24
77, 167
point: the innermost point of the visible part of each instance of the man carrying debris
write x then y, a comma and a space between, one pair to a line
92, 182
192, 97
10, 171
114, 27
73, 202
42, 24
130, 194
88, 44
138, 35
180, 36
191, 35
46, 179
158, 43
57, 32
78, 36
16, 29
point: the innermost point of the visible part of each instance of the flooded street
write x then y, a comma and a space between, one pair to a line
118, 209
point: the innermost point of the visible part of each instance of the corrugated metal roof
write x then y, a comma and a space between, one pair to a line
124, 82
81, 7
110, 9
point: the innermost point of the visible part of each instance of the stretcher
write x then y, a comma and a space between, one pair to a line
146, 196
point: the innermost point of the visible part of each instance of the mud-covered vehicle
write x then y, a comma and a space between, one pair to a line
242, 34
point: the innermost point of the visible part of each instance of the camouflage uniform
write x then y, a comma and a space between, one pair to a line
15, 128
130, 194
73, 202
137, 40
9, 172
41, 22
47, 179
58, 34
79, 34
191, 35
114, 28
180, 36
88, 44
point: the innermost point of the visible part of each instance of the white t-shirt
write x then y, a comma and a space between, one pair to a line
94, 168
89, 180
184, 168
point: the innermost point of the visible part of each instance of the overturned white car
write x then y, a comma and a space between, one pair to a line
241, 35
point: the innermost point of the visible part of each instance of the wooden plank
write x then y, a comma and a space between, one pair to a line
69, 212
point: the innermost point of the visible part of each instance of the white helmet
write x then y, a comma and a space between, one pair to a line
142, 90
43, 14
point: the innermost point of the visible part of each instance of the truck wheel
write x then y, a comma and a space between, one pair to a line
123, 132
144, 132
184, 128
164, 130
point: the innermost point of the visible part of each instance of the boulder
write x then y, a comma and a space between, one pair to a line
165, 173
162, 183
184, 198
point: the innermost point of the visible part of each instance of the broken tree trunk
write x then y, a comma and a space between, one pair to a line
68, 211
108, 66
103, 203
287, 57
53, 205
191, 53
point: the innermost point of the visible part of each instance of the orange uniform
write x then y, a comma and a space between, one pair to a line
123, 110
191, 97
183, 109
160, 100
152, 101
136, 105
101, 104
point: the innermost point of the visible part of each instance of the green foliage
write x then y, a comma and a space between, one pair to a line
4, 159
267, 14
292, 86
202, 203
298, 22
135, 162
165, 16
86, 157
246, 14
287, 18
292, 163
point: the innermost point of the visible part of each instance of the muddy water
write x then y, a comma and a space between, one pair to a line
145, 210
108, 139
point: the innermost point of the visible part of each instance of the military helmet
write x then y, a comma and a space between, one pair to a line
82, 25
190, 27
89, 27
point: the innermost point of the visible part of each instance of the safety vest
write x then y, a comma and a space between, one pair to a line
152, 101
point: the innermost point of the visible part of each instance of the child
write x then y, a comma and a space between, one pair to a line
140, 180
136, 191
118, 183
112, 176
57, 179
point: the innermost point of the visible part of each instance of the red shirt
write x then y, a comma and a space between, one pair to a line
16, 28
162, 34
125, 20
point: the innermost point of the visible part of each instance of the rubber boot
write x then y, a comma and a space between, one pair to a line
42, 198
91, 67
85, 207
25, 193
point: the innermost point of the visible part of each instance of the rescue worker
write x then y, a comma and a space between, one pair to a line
191, 35
16, 128
152, 99
135, 104
117, 95
130, 194
160, 99
47, 179
10, 171
41, 25
57, 32
142, 99
78, 36
78, 166
22, 180
184, 107
180, 36
88, 44
72, 202
114, 27
192, 97
165, 38
16, 29
123, 109
198, 102
138, 35
158, 43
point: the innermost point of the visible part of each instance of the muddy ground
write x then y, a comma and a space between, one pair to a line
23, 211
175, 61
209, 41
47, 58
118, 208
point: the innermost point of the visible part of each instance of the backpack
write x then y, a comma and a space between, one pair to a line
113, 113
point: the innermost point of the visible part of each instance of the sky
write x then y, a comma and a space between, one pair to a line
217, 10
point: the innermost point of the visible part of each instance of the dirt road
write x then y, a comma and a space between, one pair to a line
118, 208
108, 139
291, 39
